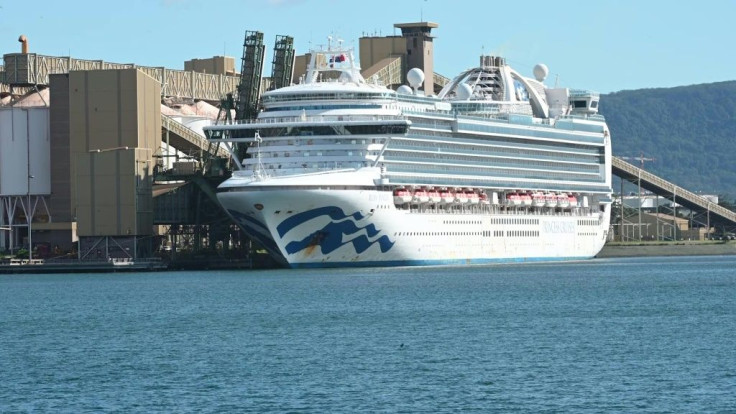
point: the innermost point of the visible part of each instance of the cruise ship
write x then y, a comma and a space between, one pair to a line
338, 170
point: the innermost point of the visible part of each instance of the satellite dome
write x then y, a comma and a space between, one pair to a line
404, 90
463, 91
415, 77
541, 72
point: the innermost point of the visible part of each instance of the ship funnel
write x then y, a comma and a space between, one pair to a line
491, 61
24, 47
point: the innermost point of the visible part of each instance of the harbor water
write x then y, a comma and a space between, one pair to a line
609, 335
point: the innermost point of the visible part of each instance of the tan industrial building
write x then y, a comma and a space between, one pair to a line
216, 65
415, 47
103, 131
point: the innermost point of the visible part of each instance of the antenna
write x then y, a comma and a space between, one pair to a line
259, 171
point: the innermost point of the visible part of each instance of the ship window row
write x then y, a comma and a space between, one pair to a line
320, 166
323, 141
418, 131
492, 161
462, 222
501, 152
327, 96
522, 233
588, 222
492, 172
439, 233
548, 134
593, 156
523, 140
327, 130
321, 107
265, 156
431, 122
515, 221
588, 234
576, 126
401, 98
443, 126
485, 144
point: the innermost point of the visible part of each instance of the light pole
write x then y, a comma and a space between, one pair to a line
30, 220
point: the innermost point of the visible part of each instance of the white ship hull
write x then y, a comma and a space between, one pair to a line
338, 228
342, 172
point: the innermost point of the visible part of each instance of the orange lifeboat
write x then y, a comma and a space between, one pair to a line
402, 196
562, 200
538, 200
550, 200
446, 196
461, 197
434, 196
483, 197
572, 200
513, 199
420, 196
526, 199
472, 196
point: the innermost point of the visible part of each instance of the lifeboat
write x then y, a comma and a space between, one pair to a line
526, 199
550, 200
513, 199
562, 200
483, 198
420, 196
434, 196
472, 196
461, 197
446, 196
538, 200
572, 200
402, 196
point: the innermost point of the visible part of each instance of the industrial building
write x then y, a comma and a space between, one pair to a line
103, 160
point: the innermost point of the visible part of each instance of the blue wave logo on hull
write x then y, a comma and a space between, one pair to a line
330, 237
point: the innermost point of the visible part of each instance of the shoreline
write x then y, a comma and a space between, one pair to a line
610, 250
682, 248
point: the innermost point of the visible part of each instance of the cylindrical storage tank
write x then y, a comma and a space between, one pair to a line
24, 151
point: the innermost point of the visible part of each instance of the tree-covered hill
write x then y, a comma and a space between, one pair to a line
690, 131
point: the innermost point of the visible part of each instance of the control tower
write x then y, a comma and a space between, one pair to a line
420, 49
391, 57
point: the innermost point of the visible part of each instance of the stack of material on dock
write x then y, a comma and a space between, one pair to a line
169, 111
34, 99
204, 109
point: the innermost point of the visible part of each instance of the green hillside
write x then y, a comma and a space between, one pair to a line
690, 131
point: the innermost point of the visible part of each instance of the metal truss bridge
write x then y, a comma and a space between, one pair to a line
716, 214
